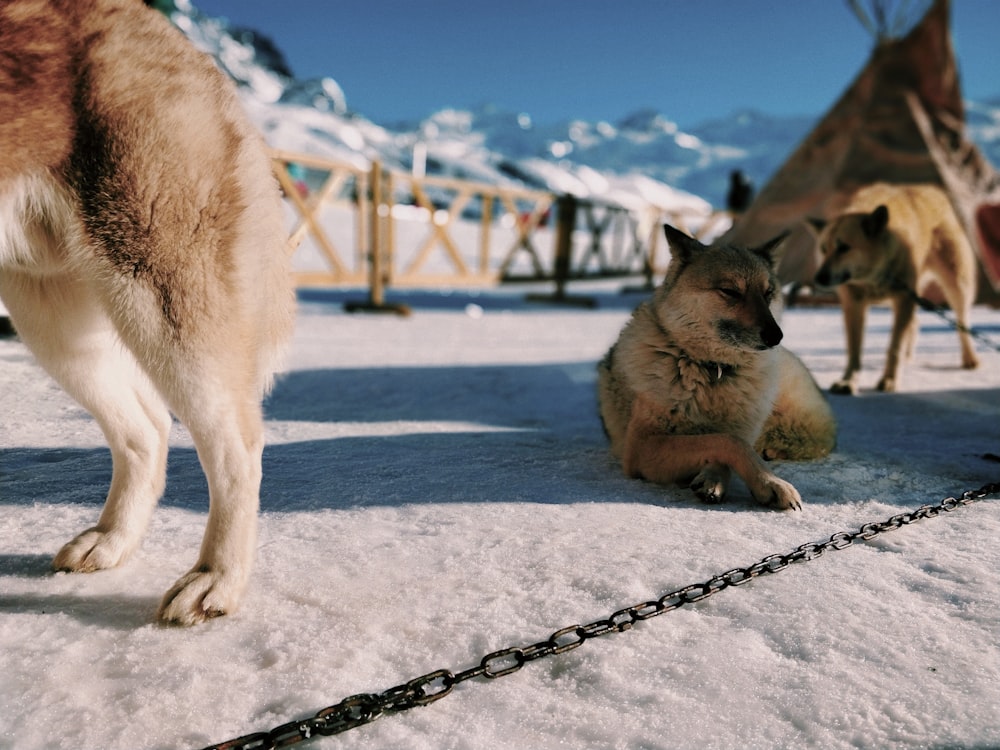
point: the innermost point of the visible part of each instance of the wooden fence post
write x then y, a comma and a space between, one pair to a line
566, 206
565, 226
376, 256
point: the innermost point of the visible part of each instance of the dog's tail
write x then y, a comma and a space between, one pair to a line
267, 269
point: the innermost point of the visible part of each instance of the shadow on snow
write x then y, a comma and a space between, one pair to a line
506, 433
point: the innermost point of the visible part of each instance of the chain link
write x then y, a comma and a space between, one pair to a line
365, 708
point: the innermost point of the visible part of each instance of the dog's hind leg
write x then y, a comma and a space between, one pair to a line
957, 276
207, 369
711, 483
801, 425
60, 320
227, 428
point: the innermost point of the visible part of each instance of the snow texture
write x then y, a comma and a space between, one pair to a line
438, 487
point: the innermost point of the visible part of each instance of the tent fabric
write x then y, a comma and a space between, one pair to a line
974, 187
900, 121
988, 228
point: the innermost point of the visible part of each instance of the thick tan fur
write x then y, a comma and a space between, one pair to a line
697, 386
142, 261
884, 245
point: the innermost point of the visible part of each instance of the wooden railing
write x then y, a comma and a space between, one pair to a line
345, 223
341, 185
508, 218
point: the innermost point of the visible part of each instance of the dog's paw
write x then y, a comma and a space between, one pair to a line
779, 494
886, 385
710, 484
843, 388
708, 492
92, 550
200, 595
970, 361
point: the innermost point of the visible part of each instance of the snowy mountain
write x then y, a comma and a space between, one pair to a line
983, 122
644, 154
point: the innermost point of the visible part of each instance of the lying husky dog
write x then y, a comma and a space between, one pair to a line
882, 246
142, 260
697, 386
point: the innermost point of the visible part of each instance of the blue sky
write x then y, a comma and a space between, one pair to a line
692, 60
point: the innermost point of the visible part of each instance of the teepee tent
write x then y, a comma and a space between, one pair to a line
902, 120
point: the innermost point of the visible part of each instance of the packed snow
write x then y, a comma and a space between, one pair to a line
438, 487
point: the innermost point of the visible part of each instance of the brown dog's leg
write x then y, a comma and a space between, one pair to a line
903, 320
960, 292
854, 308
663, 458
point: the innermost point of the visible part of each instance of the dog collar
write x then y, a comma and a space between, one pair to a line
719, 369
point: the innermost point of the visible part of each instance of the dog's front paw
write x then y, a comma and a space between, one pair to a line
843, 388
92, 550
779, 494
201, 595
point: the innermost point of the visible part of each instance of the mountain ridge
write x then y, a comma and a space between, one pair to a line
495, 145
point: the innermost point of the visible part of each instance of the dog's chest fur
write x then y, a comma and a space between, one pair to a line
696, 396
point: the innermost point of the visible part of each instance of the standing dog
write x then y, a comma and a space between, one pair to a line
696, 385
887, 239
142, 260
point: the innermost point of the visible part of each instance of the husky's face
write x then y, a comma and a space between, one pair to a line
850, 247
721, 298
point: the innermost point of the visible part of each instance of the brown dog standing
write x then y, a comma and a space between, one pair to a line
882, 246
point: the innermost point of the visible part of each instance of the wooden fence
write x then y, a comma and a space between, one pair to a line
467, 233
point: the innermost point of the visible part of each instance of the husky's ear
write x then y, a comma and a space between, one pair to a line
681, 246
768, 251
875, 222
817, 225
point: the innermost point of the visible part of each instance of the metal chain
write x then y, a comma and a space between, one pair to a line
939, 310
364, 708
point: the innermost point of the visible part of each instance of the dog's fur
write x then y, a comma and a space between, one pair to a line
697, 386
143, 262
883, 245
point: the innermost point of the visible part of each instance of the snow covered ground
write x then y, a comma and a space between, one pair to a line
438, 487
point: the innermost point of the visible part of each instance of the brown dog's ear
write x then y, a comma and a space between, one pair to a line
767, 250
816, 224
875, 222
681, 246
